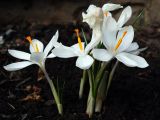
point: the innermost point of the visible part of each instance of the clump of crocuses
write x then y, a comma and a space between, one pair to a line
110, 40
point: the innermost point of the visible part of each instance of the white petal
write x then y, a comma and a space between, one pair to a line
51, 56
36, 44
111, 7
90, 20
91, 45
132, 60
125, 16
93, 16
91, 9
37, 58
127, 40
76, 48
102, 55
51, 44
17, 66
109, 31
137, 51
110, 23
64, 52
95, 40
84, 62
133, 46
19, 54
55, 40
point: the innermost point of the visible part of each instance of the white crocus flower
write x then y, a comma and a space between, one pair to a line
94, 17
84, 61
37, 54
119, 45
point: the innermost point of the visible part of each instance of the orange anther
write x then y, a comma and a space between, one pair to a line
120, 40
79, 39
29, 39
106, 14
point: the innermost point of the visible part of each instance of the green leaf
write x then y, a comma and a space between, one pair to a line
138, 17
84, 36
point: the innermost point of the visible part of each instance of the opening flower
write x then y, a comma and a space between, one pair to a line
94, 15
37, 54
84, 61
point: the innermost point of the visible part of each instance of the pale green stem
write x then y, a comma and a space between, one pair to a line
100, 73
111, 76
90, 106
101, 92
54, 92
91, 96
94, 83
91, 81
83, 80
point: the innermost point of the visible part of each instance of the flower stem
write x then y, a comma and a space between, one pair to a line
83, 80
111, 76
91, 82
94, 85
54, 92
100, 73
101, 94
91, 96
90, 105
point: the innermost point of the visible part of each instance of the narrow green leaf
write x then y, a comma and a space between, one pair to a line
84, 36
138, 17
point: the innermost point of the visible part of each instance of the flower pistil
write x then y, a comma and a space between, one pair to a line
79, 39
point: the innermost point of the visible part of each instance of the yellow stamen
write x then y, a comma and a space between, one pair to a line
120, 40
30, 41
79, 39
37, 49
106, 14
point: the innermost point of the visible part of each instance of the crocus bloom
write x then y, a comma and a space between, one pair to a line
119, 45
95, 16
84, 61
37, 54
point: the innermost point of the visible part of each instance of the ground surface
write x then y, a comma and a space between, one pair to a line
25, 94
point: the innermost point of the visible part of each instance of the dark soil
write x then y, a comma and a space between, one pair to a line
133, 95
